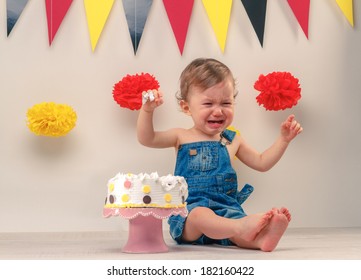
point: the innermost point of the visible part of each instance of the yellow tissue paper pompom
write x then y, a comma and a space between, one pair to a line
51, 119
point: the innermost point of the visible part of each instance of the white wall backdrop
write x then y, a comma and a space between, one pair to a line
59, 184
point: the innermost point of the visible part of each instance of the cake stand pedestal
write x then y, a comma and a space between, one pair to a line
145, 227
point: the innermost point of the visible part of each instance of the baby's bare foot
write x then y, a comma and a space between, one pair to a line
269, 237
252, 225
285, 212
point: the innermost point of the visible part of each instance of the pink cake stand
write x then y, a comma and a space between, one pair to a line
145, 227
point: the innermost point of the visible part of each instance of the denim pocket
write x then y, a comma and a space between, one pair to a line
244, 193
203, 158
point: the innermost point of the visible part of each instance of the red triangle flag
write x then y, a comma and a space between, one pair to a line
55, 12
179, 14
301, 9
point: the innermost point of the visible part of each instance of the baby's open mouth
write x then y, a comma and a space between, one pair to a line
219, 122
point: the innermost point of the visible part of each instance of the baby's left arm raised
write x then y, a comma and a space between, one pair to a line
267, 159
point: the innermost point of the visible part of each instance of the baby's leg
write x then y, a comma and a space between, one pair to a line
270, 235
202, 220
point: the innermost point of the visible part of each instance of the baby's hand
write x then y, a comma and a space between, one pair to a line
152, 101
290, 129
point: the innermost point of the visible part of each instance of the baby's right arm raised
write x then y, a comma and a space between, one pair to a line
147, 136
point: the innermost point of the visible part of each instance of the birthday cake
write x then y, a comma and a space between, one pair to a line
146, 190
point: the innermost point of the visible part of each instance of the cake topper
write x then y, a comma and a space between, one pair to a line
278, 91
132, 91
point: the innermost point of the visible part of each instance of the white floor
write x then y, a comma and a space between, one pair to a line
296, 244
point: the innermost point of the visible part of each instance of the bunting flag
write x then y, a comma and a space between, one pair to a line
179, 14
219, 12
14, 8
301, 9
346, 7
136, 12
97, 13
55, 13
256, 11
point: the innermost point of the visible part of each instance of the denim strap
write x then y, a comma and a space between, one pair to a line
227, 135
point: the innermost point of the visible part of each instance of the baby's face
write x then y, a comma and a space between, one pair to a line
212, 109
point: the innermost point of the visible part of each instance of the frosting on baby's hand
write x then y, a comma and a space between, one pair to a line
147, 96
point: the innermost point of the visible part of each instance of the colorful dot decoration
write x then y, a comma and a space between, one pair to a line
125, 198
147, 199
146, 189
168, 198
127, 184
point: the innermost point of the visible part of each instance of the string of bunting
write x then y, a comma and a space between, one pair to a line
178, 12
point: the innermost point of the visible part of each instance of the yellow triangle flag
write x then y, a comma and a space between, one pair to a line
347, 8
97, 13
219, 12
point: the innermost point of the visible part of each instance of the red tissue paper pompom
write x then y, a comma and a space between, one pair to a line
279, 91
128, 91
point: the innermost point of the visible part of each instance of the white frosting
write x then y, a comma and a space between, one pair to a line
146, 190
147, 96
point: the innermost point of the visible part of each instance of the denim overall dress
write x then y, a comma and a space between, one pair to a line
212, 183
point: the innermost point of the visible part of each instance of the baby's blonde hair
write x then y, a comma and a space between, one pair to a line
203, 73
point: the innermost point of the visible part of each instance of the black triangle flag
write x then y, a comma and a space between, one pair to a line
136, 13
256, 10
14, 8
